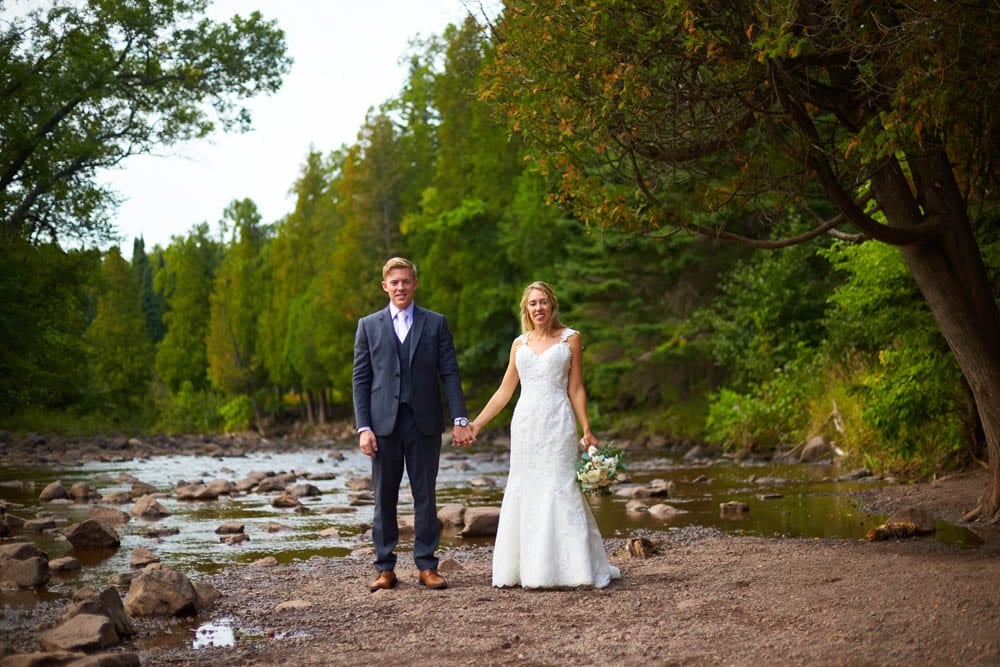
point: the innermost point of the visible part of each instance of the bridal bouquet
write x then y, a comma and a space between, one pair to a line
598, 468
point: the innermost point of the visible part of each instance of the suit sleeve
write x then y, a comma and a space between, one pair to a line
362, 378
448, 370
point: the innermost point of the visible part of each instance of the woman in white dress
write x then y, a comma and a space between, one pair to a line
547, 535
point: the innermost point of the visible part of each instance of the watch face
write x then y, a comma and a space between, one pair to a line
462, 421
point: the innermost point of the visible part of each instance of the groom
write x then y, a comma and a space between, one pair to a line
400, 353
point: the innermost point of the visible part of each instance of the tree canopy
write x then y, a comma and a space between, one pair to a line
85, 85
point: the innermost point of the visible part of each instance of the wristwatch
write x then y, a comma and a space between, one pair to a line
461, 421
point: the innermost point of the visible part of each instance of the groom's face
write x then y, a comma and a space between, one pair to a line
400, 284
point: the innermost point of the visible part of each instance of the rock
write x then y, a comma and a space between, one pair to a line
304, 490
158, 590
329, 532
206, 595
269, 484
293, 604
64, 564
140, 489
38, 525
733, 509
122, 580
267, 561
922, 522
117, 497
481, 521
662, 510
84, 632
482, 482
53, 491
147, 507
25, 573
109, 515
452, 515
156, 532
142, 557
407, 525
230, 528
273, 527
107, 603
235, 538
92, 534
195, 492
449, 565
640, 547
337, 509
221, 487
21, 551
636, 506
71, 659
361, 498
285, 501
816, 449
15, 521
82, 491
360, 483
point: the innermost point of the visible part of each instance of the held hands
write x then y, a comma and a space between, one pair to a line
463, 436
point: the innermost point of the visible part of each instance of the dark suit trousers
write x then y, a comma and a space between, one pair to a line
406, 448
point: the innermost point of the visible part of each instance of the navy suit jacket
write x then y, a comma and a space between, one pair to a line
376, 372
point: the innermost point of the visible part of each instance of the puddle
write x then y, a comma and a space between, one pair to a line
218, 633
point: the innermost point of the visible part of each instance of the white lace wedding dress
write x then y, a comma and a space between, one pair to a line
547, 535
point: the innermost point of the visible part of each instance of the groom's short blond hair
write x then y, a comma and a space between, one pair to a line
398, 263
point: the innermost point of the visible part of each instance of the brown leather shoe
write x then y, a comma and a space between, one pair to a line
431, 579
385, 580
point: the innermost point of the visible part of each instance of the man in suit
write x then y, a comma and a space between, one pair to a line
400, 354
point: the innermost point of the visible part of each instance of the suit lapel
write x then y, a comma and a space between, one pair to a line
415, 330
387, 327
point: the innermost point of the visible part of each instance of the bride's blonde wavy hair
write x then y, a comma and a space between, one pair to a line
554, 323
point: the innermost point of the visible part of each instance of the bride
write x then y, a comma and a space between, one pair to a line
547, 535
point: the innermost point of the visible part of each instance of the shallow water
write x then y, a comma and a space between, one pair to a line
785, 500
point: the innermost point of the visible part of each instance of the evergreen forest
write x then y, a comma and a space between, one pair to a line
530, 148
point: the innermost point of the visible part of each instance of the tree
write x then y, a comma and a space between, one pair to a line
152, 305
185, 283
233, 359
84, 85
662, 115
122, 352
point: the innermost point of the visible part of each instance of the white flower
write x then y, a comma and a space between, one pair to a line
592, 451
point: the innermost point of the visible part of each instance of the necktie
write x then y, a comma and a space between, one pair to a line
402, 325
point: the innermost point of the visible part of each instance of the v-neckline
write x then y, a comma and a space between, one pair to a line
538, 354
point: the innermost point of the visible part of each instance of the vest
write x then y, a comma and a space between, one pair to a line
405, 387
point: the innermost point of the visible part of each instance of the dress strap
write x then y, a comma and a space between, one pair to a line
566, 333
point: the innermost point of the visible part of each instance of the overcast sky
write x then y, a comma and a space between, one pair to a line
347, 58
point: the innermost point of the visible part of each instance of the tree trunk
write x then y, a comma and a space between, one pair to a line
322, 407
952, 277
309, 408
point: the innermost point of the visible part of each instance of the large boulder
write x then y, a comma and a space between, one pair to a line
92, 534
452, 515
81, 491
84, 632
26, 573
53, 491
481, 521
108, 603
21, 551
158, 590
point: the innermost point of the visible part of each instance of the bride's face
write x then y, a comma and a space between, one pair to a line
539, 309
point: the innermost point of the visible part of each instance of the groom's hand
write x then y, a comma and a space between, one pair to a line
369, 445
462, 436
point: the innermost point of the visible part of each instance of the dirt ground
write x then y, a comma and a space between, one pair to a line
702, 598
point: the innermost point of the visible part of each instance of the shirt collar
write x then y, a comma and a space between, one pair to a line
393, 311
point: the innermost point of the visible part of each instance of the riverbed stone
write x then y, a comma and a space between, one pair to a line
107, 603
117, 497
360, 483
636, 505
83, 632
235, 538
109, 515
481, 521
38, 525
64, 565
266, 561
816, 449
662, 510
269, 484
230, 528
148, 507
195, 492
141, 557
71, 659
452, 515
361, 498
25, 573
92, 534
21, 551
285, 501
206, 595
221, 487
333, 532
159, 590
921, 521
82, 491
53, 491
304, 491
140, 488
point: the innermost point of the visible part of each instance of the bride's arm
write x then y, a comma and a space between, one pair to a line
576, 390
501, 396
